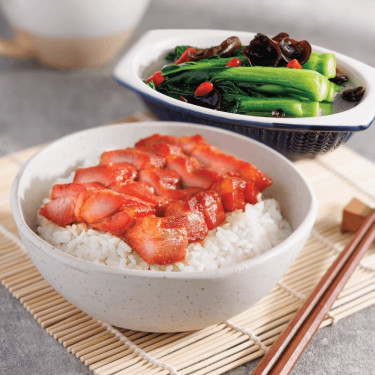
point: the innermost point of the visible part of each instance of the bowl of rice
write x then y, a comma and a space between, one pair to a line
233, 267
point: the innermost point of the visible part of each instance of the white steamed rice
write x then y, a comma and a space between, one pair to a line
243, 235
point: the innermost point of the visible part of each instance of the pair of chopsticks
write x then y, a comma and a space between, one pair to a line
285, 352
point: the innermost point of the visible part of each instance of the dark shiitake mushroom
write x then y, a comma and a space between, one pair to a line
353, 95
279, 37
262, 51
278, 113
226, 49
339, 78
229, 46
212, 100
294, 49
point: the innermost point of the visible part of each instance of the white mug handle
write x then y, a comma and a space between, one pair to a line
16, 48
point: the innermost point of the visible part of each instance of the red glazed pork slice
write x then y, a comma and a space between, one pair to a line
196, 146
139, 158
163, 149
106, 174
142, 190
158, 240
212, 206
193, 219
63, 202
232, 192
60, 210
112, 212
73, 189
157, 139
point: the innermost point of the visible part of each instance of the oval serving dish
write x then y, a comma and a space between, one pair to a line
293, 137
153, 300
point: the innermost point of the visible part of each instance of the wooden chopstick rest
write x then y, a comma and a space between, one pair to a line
354, 214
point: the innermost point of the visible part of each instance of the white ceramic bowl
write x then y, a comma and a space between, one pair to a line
293, 137
152, 300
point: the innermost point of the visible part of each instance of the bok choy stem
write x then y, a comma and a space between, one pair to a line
311, 84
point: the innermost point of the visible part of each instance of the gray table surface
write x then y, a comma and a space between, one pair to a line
38, 104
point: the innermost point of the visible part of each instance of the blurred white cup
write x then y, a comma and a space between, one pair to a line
70, 33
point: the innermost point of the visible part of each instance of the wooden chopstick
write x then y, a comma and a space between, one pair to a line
285, 352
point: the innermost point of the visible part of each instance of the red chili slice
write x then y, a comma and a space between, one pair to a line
185, 56
157, 78
204, 88
294, 64
233, 63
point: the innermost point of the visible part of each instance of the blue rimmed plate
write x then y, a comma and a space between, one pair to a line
293, 137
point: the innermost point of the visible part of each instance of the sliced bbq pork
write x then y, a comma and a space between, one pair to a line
210, 155
167, 183
112, 212
212, 207
102, 209
162, 149
192, 217
142, 190
60, 209
207, 154
157, 139
64, 190
140, 159
159, 196
232, 192
187, 168
158, 240
106, 174
245, 170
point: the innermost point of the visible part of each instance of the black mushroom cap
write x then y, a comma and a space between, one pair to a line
339, 78
225, 49
262, 51
353, 95
279, 37
212, 100
294, 49
278, 113
229, 46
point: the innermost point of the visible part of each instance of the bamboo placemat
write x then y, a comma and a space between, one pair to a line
336, 178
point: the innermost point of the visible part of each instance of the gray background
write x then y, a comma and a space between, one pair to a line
38, 104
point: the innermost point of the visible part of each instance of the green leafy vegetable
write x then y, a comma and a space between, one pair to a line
256, 90
324, 63
151, 84
214, 62
308, 82
186, 82
291, 107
